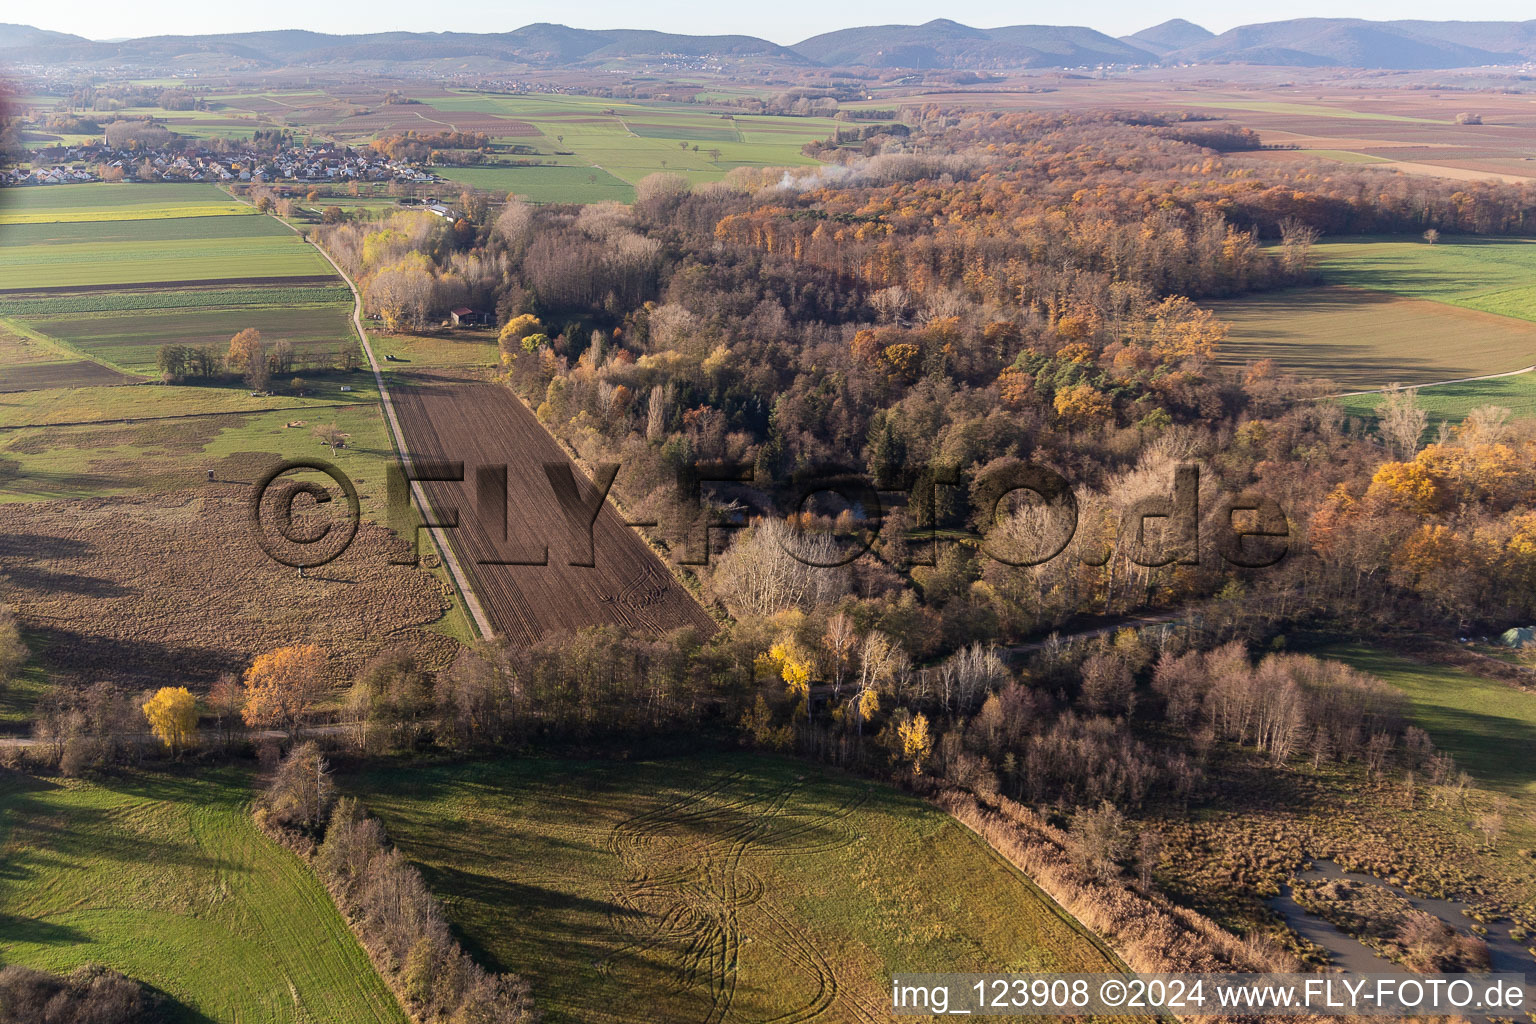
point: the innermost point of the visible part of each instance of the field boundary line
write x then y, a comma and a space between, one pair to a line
460, 579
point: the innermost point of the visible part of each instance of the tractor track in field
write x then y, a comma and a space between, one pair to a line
690, 894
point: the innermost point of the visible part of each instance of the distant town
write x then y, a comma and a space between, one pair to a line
185, 160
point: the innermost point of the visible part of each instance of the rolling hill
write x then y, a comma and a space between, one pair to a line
541, 44
947, 44
1171, 35
937, 44
1349, 42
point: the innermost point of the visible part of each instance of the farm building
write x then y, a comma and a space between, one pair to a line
1521, 636
463, 316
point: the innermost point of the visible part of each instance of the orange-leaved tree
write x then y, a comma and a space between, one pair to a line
172, 714
282, 686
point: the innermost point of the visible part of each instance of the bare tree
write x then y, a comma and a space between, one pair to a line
1401, 421
1100, 840
1296, 241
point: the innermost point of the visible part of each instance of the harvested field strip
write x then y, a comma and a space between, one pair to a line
169, 229
123, 298
715, 888
1363, 339
163, 583
108, 200
135, 213
485, 427
163, 876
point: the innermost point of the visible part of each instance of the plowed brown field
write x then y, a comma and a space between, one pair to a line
481, 424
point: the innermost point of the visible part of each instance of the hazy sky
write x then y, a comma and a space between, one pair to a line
784, 21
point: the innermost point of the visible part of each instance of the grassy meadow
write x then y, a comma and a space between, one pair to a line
1452, 402
714, 887
561, 184
1493, 275
163, 876
1485, 724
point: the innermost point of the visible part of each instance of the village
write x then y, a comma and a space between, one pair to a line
183, 160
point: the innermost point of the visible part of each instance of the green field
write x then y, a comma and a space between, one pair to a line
1401, 311
81, 236
1491, 275
625, 140
197, 258
546, 184
717, 887
162, 876
164, 230
109, 300
1487, 725
1453, 401
130, 341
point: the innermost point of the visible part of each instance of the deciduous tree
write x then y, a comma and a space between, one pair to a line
282, 686
172, 715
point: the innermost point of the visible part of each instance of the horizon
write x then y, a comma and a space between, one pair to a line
1115, 18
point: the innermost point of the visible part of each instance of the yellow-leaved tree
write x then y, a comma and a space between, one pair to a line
794, 667
514, 332
282, 686
172, 715
916, 742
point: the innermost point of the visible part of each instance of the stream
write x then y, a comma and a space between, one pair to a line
1347, 953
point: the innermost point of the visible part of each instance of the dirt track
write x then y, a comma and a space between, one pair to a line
481, 424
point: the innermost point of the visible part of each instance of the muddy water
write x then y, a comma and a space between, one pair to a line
1350, 954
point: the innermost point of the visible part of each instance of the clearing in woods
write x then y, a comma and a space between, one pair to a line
705, 889
1370, 339
1400, 311
162, 875
1481, 722
509, 517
